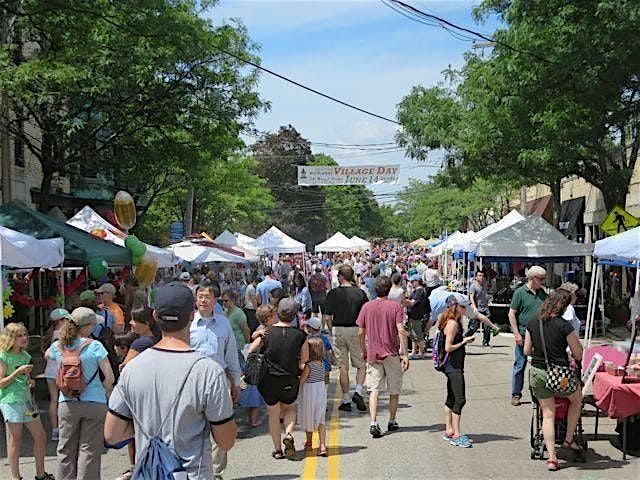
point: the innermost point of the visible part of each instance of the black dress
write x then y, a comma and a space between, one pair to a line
282, 347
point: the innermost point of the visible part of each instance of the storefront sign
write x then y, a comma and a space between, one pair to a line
353, 175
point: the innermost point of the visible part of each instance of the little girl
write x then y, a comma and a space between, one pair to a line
251, 398
313, 396
57, 317
15, 399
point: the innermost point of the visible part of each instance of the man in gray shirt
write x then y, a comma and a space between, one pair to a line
143, 398
479, 296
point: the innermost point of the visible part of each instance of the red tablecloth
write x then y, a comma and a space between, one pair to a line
617, 399
609, 354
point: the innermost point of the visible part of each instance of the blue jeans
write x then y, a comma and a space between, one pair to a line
519, 366
474, 326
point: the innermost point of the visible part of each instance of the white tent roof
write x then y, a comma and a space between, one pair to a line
531, 238
463, 243
448, 243
226, 239
87, 219
275, 240
24, 251
360, 242
623, 248
509, 219
339, 242
193, 252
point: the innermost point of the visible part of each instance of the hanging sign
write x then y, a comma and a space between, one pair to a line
618, 220
343, 175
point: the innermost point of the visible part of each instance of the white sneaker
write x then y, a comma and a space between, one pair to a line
55, 434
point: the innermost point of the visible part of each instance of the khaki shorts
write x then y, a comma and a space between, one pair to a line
415, 330
385, 375
347, 344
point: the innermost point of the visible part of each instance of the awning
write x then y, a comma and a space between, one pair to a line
570, 216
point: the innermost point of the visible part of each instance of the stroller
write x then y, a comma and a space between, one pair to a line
537, 439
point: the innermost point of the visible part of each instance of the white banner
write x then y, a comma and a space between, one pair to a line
341, 175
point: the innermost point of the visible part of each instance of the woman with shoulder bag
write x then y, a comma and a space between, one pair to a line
546, 341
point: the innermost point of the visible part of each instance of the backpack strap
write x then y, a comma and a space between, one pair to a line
68, 352
171, 408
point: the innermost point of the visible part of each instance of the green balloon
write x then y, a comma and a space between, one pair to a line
136, 259
135, 246
98, 268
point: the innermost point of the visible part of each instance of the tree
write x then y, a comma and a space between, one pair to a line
559, 95
135, 90
227, 196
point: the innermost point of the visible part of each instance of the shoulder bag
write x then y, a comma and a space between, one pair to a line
560, 378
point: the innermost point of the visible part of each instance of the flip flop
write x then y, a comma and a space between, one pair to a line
552, 465
323, 452
572, 445
289, 446
277, 454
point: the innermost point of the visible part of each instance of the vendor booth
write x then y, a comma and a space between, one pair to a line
90, 221
18, 250
361, 243
275, 241
194, 252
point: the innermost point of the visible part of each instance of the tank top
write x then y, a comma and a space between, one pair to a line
456, 358
282, 348
316, 372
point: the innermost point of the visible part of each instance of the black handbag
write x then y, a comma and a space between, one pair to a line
560, 378
256, 366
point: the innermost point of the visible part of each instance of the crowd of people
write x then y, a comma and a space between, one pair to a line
108, 365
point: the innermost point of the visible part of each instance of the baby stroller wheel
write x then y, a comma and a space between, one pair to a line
534, 454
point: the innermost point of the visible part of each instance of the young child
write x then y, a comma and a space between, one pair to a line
122, 344
313, 396
313, 327
250, 397
57, 318
15, 399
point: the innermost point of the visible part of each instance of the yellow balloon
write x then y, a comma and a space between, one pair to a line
125, 209
146, 270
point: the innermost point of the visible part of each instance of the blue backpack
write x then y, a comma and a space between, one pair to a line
158, 460
440, 355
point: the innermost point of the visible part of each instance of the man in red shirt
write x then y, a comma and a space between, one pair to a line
384, 345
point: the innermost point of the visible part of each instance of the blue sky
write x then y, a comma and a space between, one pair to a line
360, 51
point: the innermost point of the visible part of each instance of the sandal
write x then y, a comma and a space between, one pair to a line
277, 454
308, 446
289, 446
323, 452
572, 445
552, 465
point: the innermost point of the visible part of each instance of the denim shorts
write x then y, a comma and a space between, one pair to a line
16, 413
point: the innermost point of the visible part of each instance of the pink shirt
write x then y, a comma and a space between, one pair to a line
380, 318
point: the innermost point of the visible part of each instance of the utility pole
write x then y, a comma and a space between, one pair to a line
5, 160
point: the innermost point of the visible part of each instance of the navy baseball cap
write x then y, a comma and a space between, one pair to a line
174, 302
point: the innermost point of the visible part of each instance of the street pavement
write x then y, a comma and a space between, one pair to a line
500, 433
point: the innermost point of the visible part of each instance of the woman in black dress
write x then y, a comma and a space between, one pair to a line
286, 351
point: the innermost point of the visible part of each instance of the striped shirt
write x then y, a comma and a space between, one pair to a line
316, 372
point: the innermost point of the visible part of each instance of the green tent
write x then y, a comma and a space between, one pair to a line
79, 247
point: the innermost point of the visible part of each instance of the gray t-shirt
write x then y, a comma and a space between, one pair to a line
479, 294
150, 384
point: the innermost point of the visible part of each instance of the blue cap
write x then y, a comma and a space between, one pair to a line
174, 302
59, 314
415, 278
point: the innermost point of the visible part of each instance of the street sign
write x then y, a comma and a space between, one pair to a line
618, 220
176, 230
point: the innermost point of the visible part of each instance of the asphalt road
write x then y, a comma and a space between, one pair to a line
500, 433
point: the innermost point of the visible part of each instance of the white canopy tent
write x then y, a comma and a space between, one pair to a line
197, 253
531, 239
509, 219
337, 243
226, 239
24, 251
90, 221
622, 250
361, 243
448, 243
275, 241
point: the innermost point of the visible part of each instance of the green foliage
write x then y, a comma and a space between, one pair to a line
227, 196
428, 209
559, 95
136, 91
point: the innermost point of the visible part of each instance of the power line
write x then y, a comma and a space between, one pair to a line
312, 90
418, 15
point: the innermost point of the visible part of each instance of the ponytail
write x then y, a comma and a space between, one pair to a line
69, 333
